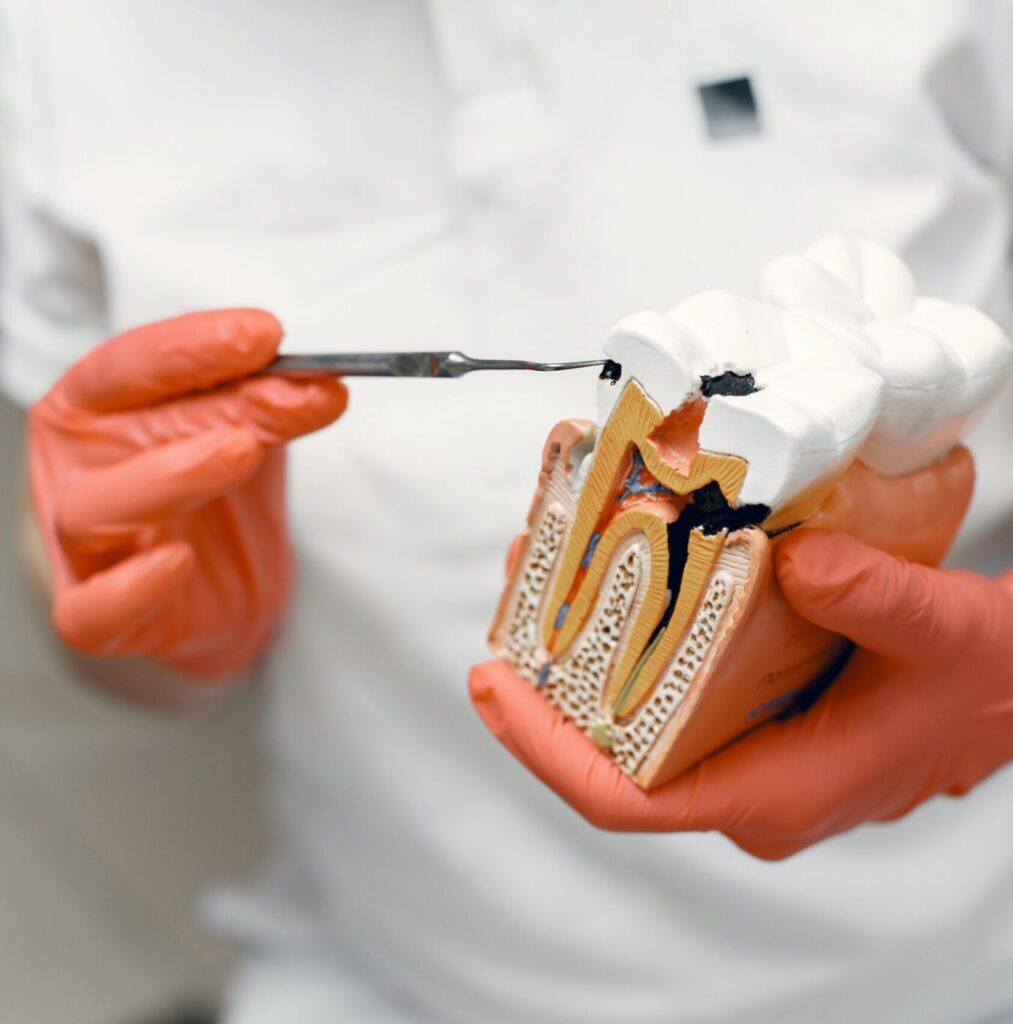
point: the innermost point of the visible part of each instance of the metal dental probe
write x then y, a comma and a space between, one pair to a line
407, 364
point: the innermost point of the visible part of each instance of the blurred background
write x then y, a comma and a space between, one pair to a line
113, 821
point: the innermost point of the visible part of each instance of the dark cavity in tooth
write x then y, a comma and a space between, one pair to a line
734, 385
610, 371
709, 511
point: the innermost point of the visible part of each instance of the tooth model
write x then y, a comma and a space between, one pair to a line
642, 600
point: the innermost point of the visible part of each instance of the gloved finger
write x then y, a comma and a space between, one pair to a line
274, 409
101, 508
559, 754
772, 792
172, 357
882, 603
858, 754
97, 615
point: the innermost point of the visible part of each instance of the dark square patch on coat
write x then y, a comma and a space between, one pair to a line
730, 108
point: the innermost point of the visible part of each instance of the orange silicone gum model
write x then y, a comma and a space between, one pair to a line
642, 600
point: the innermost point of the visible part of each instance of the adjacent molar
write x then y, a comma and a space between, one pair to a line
853, 282
846, 359
940, 362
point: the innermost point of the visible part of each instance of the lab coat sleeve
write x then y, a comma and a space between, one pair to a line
971, 87
51, 295
999, 40
995, 34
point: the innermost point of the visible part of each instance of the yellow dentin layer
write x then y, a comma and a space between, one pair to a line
630, 427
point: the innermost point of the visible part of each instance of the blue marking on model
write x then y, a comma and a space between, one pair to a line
543, 673
592, 544
563, 612
634, 485
778, 702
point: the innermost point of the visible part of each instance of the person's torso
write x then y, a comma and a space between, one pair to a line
509, 180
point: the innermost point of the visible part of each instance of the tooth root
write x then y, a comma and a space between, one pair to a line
701, 555
571, 618
634, 417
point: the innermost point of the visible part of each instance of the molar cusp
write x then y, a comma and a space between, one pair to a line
653, 351
809, 335
796, 281
880, 279
888, 286
855, 281
840, 257
912, 357
977, 341
654, 330
743, 335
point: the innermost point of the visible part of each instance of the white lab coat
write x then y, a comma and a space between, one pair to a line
509, 178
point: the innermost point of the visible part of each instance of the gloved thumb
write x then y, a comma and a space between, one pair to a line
882, 603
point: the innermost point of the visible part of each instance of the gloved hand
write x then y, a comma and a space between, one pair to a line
924, 706
157, 478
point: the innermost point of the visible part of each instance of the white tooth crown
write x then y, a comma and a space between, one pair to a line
805, 423
653, 347
846, 358
940, 363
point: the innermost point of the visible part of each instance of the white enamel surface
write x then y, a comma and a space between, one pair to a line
848, 359
751, 333
807, 420
796, 282
809, 336
654, 351
940, 362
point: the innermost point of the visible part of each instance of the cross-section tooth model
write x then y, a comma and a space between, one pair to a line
642, 601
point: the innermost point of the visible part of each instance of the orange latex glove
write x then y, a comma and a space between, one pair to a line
924, 706
158, 483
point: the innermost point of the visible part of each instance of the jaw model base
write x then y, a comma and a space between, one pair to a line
664, 643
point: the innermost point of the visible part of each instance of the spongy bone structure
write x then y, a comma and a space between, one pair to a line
723, 423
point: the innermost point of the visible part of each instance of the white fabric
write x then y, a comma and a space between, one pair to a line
354, 168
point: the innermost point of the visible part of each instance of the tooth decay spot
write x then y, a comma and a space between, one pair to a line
728, 384
712, 513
